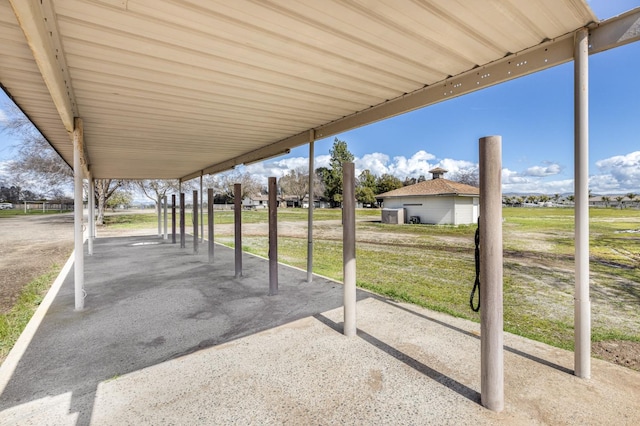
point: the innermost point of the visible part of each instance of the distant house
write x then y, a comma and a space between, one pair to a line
317, 203
437, 201
255, 202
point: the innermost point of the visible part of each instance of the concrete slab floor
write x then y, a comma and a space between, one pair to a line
168, 338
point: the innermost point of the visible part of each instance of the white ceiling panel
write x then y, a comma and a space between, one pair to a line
167, 88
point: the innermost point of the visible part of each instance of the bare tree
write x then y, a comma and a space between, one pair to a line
296, 183
223, 184
105, 189
37, 163
467, 176
156, 189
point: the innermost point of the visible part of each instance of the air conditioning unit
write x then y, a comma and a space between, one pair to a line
393, 216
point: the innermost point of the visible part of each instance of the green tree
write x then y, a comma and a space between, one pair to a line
333, 184
387, 183
366, 188
120, 198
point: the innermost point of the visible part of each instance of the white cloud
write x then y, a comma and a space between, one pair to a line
541, 171
376, 163
418, 164
510, 177
620, 173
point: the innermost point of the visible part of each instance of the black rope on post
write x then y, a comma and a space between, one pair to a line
476, 284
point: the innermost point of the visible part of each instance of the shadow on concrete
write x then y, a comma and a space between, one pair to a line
148, 301
433, 374
475, 336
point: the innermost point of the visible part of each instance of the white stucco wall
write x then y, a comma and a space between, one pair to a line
438, 210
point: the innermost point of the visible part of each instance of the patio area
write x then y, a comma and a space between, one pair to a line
168, 338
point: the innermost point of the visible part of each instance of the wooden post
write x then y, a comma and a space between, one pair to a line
195, 222
201, 210
237, 220
273, 237
349, 248
491, 311
173, 218
183, 243
210, 221
166, 218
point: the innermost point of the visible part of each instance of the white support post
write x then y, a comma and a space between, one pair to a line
582, 302
166, 219
91, 213
491, 313
311, 207
159, 204
201, 211
210, 222
77, 215
349, 248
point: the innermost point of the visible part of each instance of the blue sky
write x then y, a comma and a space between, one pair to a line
534, 116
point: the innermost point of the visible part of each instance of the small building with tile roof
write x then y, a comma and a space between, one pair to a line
437, 201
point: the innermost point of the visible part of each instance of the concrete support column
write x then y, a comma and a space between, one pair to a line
210, 221
201, 210
173, 218
582, 302
182, 222
195, 222
91, 198
166, 218
237, 231
349, 247
78, 149
491, 314
311, 207
273, 237
159, 203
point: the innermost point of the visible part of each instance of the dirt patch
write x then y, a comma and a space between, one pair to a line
31, 246
619, 352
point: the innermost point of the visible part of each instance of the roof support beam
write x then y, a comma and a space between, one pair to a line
615, 32
47, 52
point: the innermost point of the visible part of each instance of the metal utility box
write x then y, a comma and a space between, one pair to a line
393, 216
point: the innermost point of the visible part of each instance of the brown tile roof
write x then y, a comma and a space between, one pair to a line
432, 187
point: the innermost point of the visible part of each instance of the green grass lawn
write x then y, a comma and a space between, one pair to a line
13, 322
433, 266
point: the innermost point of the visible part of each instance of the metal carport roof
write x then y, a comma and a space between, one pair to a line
168, 89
